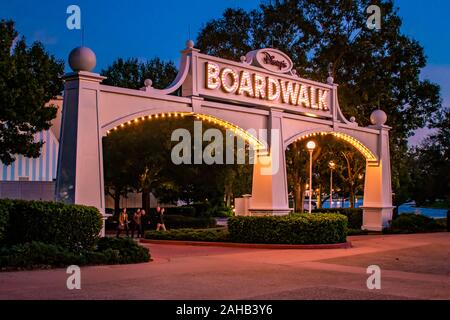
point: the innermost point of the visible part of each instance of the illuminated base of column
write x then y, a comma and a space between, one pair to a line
376, 218
270, 212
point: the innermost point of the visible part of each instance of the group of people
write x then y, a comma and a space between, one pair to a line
137, 224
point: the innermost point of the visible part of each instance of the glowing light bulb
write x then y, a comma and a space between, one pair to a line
311, 145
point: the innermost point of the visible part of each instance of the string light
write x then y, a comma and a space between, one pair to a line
257, 145
342, 136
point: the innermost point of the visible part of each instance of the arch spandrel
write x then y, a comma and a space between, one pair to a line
119, 105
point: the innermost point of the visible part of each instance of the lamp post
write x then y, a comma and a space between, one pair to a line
331, 165
311, 145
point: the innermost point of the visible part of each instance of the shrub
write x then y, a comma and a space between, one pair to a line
35, 254
221, 212
202, 209
123, 250
212, 235
196, 210
177, 222
181, 211
354, 215
5, 208
413, 223
38, 255
74, 227
293, 229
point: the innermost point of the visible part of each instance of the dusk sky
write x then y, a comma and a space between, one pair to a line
145, 29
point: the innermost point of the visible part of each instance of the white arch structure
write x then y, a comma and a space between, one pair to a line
260, 92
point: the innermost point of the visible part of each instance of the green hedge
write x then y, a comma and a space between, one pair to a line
182, 211
202, 208
129, 250
34, 255
413, 223
5, 208
207, 209
38, 255
292, 229
177, 222
221, 212
74, 227
211, 235
354, 215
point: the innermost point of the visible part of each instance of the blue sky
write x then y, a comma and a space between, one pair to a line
148, 28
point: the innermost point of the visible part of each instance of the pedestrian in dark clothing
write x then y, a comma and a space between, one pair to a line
160, 225
137, 224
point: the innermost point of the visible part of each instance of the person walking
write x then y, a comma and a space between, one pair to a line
144, 219
123, 222
137, 224
160, 216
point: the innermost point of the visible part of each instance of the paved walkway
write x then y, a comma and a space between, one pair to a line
412, 267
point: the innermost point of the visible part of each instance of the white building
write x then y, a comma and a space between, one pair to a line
33, 178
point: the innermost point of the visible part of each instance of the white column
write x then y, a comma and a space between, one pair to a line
377, 206
80, 168
269, 186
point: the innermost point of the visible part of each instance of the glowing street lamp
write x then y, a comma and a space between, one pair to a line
311, 145
332, 166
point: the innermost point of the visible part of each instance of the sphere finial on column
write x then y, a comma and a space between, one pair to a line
82, 59
148, 83
378, 117
189, 44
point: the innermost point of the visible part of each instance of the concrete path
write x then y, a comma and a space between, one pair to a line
412, 267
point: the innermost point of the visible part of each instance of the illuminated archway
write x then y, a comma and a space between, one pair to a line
254, 96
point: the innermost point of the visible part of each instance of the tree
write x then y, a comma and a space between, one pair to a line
352, 174
29, 78
132, 73
374, 68
430, 164
297, 163
119, 181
